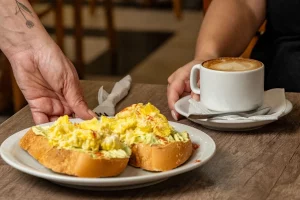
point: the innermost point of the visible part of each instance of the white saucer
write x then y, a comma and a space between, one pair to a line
130, 178
182, 107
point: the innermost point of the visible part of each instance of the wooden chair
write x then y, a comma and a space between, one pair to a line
177, 6
248, 50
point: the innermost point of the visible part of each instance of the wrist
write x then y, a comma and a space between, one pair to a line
20, 28
30, 59
29, 47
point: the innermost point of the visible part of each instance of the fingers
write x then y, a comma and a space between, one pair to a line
176, 89
179, 85
75, 99
196, 96
82, 111
53, 118
172, 98
39, 118
187, 86
175, 115
171, 78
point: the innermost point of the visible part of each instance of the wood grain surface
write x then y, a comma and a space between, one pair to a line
259, 164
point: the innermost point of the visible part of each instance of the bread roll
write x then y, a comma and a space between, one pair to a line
71, 162
160, 157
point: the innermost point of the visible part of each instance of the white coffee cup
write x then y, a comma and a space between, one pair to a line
229, 84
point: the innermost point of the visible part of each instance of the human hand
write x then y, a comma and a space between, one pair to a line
179, 86
49, 83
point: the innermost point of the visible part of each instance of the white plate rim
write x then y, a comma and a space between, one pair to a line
110, 180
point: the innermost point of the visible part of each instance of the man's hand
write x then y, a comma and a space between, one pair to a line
49, 83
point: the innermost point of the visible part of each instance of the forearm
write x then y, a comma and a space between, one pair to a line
228, 27
20, 28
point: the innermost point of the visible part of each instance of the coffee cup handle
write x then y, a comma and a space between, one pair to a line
194, 78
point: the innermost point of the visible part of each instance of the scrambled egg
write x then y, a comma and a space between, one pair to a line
112, 137
84, 136
141, 123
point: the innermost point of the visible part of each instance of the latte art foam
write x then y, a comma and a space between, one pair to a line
232, 64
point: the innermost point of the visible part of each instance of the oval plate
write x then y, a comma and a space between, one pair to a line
132, 177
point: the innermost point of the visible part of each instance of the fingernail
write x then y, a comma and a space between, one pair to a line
92, 113
174, 115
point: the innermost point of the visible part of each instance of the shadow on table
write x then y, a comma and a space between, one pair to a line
211, 175
199, 179
172, 187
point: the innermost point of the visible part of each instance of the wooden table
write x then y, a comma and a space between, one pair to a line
261, 164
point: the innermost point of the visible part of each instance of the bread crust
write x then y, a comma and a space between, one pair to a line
160, 157
70, 162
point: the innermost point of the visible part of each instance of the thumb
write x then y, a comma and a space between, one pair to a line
39, 117
75, 99
82, 111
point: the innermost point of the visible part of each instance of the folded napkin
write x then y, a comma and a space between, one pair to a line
274, 99
107, 102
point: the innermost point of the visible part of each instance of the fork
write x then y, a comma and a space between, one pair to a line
105, 110
101, 110
206, 114
107, 102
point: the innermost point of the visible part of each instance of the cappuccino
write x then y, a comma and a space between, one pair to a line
232, 64
229, 84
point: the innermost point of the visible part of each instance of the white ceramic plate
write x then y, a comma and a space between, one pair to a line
130, 178
182, 107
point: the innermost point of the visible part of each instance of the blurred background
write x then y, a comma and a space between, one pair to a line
108, 39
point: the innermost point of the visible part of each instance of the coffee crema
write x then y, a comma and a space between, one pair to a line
232, 64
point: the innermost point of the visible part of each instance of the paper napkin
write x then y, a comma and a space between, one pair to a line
107, 102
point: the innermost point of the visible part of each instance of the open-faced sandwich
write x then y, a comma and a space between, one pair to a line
79, 149
139, 134
155, 145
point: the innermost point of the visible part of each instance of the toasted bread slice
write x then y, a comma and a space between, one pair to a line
71, 162
160, 157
